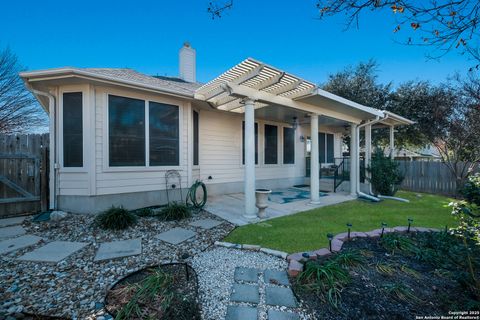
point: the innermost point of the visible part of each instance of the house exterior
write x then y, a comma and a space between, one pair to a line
115, 132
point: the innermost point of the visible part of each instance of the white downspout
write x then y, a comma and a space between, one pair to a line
52, 154
357, 157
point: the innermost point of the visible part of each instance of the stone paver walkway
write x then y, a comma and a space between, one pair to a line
12, 231
18, 243
11, 221
119, 249
176, 235
53, 252
274, 290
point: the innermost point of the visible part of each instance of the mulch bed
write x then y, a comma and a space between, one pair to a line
180, 302
367, 296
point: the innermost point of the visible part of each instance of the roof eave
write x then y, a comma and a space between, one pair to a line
52, 74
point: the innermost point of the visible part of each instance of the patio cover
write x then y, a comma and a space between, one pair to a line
268, 85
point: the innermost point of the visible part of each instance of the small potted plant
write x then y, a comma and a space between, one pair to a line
261, 196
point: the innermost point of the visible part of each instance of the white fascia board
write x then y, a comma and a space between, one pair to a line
268, 98
397, 118
59, 73
344, 101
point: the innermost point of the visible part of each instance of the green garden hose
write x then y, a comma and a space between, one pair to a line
192, 196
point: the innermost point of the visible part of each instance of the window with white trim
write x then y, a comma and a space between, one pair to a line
271, 144
127, 133
72, 129
288, 145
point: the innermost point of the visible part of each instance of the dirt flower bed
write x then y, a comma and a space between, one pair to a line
168, 291
399, 276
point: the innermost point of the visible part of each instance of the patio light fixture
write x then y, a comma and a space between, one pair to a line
349, 226
330, 238
410, 220
295, 123
383, 228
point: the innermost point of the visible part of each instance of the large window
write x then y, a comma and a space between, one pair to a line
271, 144
243, 142
164, 134
72, 130
195, 138
288, 145
325, 147
126, 131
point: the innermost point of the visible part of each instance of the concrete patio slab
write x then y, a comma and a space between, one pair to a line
176, 235
53, 252
280, 315
245, 293
206, 223
119, 249
279, 296
231, 206
18, 243
246, 274
241, 313
12, 231
277, 277
11, 221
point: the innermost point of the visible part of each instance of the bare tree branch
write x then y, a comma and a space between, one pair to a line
19, 110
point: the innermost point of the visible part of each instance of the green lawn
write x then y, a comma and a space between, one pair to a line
308, 230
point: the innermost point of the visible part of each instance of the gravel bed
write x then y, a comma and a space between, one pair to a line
215, 269
76, 286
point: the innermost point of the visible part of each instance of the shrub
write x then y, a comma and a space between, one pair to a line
471, 190
115, 218
385, 175
175, 211
144, 212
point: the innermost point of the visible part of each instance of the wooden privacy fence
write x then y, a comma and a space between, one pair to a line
427, 176
23, 174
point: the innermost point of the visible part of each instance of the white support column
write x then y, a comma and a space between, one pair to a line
368, 148
353, 159
250, 210
314, 161
392, 142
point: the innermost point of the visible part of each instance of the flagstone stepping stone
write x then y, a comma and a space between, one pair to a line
280, 296
241, 313
176, 235
280, 315
118, 249
206, 223
18, 243
245, 293
10, 232
276, 277
11, 221
246, 274
53, 252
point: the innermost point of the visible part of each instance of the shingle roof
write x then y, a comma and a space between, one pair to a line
161, 82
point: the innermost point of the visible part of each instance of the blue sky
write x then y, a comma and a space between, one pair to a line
146, 36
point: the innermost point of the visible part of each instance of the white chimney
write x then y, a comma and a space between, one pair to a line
187, 66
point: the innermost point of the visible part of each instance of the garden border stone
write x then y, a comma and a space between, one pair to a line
296, 260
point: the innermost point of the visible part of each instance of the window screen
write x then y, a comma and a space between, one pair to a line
164, 134
243, 142
271, 144
126, 131
288, 145
330, 148
195, 138
72, 130
321, 147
